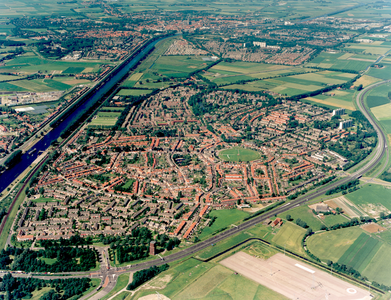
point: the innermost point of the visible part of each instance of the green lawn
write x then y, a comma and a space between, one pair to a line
49, 261
133, 92
331, 245
225, 217
290, 236
331, 220
238, 154
42, 199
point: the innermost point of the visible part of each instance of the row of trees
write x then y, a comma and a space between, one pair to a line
144, 275
343, 187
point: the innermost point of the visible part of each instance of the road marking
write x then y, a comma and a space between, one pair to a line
305, 268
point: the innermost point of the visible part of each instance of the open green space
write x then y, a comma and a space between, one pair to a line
304, 213
49, 261
43, 199
238, 154
290, 236
133, 92
331, 245
331, 220
341, 61
361, 252
371, 194
224, 218
379, 267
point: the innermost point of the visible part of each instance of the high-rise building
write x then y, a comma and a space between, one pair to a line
152, 248
338, 112
345, 124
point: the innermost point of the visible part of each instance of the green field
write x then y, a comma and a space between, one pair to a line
42, 199
305, 214
331, 245
290, 236
341, 61
133, 92
225, 217
195, 280
371, 194
295, 84
379, 267
238, 154
361, 252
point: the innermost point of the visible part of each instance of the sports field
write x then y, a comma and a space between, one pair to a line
290, 236
292, 278
105, 119
238, 154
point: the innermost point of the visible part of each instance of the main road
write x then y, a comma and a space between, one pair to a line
380, 151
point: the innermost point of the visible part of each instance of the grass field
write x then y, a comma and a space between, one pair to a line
42, 199
133, 92
383, 73
335, 99
341, 61
225, 218
331, 220
370, 195
290, 236
304, 213
361, 252
379, 268
331, 245
238, 154
295, 84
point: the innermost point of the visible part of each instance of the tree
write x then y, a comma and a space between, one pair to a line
289, 217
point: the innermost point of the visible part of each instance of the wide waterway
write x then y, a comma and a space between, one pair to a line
26, 160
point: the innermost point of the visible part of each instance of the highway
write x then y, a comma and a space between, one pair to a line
110, 275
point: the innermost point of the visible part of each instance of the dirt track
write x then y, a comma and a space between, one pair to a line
293, 279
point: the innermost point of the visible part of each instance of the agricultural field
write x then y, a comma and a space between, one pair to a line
372, 199
334, 99
331, 245
295, 84
361, 252
30, 63
238, 154
224, 218
195, 280
290, 236
342, 61
375, 48
230, 72
379, 267
381, 73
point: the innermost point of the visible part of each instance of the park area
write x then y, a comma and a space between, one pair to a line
238, 154
105, 119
